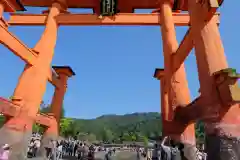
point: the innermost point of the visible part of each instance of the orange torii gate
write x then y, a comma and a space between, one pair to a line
49, 121
217, 105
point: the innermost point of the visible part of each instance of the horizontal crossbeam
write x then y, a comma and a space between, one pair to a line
92, 19
16, 46
7, 108
43, 119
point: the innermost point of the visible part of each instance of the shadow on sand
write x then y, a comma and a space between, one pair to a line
75, 158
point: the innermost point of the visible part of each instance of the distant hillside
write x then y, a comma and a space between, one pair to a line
128, 127
2, 119
144, 124
123, 127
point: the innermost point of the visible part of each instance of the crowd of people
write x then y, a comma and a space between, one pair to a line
55, 150
79, 149
171, 151
168, 149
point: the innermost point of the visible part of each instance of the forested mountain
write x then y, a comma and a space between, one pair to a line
117, 128
1, 120
121, 127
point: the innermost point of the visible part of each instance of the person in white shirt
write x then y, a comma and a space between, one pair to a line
37, 145
166, 149
59, 150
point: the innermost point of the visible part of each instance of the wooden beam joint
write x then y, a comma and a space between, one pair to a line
183, 50
213, 6
199, 110
226, 81
28, 55
10, 109
12, 5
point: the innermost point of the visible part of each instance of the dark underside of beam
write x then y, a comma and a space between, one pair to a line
190, 113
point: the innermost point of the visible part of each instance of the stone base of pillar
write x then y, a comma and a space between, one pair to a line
190, 151
17, 140
220, 147
45, 143
185, 135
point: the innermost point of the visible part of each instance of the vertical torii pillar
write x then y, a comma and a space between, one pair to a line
52, 132
222, 126
169, 127
159, 74
64, 73
175, 82
30, 89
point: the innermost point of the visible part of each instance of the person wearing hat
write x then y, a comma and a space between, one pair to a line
4, 154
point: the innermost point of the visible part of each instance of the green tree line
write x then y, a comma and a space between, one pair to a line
113, 128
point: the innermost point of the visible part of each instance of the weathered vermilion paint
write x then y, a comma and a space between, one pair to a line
9, 109
121, 19
220, 114
160, 75
30, 89
222, 123
52, 131
124, 6
164, 103
58, 97
1, 9
175, 82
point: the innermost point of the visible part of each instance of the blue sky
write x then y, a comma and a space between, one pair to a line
114, 65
